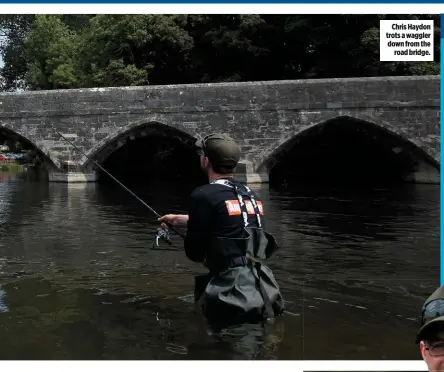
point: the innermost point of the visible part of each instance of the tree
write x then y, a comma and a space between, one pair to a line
52, 54
134, 49
73, 51
13, 32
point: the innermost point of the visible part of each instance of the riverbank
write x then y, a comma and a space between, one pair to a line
11, 168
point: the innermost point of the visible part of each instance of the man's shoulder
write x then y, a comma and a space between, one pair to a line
252, 192
209, 189
255, 194
211, 192
202, 192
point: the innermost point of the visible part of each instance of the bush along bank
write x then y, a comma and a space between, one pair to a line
12, 167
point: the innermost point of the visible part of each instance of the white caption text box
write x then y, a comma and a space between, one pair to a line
406, 40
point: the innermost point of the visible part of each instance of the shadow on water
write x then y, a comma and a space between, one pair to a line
79, 281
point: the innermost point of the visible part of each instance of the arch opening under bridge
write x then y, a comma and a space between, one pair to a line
148, 152
34, 157
349, 151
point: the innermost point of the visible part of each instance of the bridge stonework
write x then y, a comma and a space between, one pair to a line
262, 116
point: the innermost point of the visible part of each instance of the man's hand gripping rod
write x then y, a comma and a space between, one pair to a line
120, 183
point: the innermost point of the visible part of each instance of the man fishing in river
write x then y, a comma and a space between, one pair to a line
225, 231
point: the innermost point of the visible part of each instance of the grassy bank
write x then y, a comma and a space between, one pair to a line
12, 167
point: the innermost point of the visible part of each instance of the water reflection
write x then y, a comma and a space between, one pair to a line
80, 281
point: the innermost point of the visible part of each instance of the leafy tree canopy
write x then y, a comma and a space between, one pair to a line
74, 51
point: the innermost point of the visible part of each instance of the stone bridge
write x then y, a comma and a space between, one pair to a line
265, 117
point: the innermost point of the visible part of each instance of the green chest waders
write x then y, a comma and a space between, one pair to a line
258, 245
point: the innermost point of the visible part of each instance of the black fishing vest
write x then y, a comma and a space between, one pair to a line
255, 244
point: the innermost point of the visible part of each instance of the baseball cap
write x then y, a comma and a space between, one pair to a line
221, 149
432, 313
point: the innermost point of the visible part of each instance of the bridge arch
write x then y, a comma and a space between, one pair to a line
147, 150
113, 141
48, 158
277, 151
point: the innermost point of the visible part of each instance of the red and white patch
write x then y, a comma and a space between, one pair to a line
249, 205
234, 209
260, 207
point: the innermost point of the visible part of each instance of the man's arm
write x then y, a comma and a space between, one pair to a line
174, 219
197, 228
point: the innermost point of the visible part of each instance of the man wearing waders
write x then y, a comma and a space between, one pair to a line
225, 231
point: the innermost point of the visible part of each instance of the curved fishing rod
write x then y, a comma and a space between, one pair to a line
115, 179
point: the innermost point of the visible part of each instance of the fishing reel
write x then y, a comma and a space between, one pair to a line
162, 234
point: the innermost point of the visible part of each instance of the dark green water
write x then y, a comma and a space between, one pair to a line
78, 279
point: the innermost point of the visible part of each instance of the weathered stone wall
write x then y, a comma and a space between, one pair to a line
262, 116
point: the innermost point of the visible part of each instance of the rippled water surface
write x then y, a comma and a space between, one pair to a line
79, 280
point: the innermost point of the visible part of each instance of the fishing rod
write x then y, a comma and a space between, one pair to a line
161, 234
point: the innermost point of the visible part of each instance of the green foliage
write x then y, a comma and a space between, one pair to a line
73, 51
13, 31
52, 51
123, 49
11, 168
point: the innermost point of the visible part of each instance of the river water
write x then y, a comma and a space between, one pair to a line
80, 280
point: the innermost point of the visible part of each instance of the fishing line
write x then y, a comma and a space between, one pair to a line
115, 179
